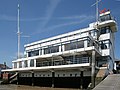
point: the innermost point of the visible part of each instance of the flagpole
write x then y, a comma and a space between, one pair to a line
97, 16
18, 33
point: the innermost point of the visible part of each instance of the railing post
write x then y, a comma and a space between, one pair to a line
17, 78
81, 80
32, 78
93, 70
53, 77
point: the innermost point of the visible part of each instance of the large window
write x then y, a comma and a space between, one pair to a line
15, 64
20, 64
105, 30
105, 18
80, 44
54, 49
33, 53
74, 45
93, 33
25, 63
51, 49
105, 44
32, 63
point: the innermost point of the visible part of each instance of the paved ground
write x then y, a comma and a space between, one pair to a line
22, 87
112, 82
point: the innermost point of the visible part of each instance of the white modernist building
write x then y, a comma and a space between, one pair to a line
66, 58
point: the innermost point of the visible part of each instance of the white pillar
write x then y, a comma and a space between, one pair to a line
60, 48
85, 43
12, 65
63, 47
34, 62
17, 64
93, 70
42, 51
22, 64
39, 52
28, 63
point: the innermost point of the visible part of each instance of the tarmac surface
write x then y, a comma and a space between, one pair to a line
23, 87
111, 82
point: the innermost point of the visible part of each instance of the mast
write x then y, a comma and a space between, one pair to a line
18, 32
97, 16
97, 9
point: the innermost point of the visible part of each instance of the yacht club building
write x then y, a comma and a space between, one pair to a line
69, 59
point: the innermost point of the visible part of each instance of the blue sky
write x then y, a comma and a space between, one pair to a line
41, 19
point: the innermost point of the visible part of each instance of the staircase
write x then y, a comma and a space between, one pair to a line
101, 74
13, 78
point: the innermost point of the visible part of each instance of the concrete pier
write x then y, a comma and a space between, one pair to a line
111, 82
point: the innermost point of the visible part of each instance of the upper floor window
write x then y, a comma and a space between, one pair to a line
71, 45
93, 33
74, 45
105, 44
25, 63
54, 49
51, 49
105, 17
33, 53
105, 30
32, 63
20, 64
15, 64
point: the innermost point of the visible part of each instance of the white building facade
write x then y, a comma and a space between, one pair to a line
68, 54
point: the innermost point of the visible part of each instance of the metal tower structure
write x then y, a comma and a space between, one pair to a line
97, 9
18, 32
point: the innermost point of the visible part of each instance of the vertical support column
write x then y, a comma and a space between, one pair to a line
29, 63
26, 54
32, 78
13, 65
17, 64
17, 78
60, 49
85, 43
34, 62
42, 51
22, 64
53, 77
93, 70
81, 80
63, 48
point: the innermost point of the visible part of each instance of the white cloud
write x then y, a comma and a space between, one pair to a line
49, 11
73, 17
81, 19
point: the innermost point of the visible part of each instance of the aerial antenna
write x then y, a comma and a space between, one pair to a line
97, 9
18, 32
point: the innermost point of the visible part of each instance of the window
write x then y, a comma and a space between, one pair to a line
105, 44
105, 18
32, 63
93, 33
25, 63
33, 53
15, 65
54, 49
51, 49
105, 30
74, 45
80, 44
20, 64
47, 50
